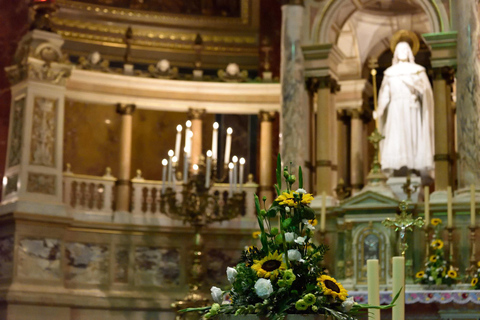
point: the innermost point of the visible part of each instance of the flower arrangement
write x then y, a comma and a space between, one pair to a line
475, 280
284, 275
437, 271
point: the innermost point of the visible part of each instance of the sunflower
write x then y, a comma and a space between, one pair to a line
286, 199
436, 221
331, 287
433, 258
474, 282
307, 198
437, 244
270, 266
420, 274
478, 264
452, 273
313, 222
256, 234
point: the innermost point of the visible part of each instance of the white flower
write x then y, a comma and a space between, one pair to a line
263, 288
294, 255
348, 304
287, 209
289, 237
430, 278
300, 240
217, 294
308, 225
231, 274
425, 276
427, 270
478, 270
301, 191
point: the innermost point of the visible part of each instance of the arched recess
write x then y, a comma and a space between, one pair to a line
330, 20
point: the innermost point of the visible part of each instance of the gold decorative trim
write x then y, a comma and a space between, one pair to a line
405, 35
168, 17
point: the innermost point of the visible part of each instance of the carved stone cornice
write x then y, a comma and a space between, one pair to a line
125, 109
266, 116
38, 70
445, 73
196, 114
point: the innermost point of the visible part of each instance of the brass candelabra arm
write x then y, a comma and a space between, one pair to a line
214, 176
427, 228
450, 244
471, 270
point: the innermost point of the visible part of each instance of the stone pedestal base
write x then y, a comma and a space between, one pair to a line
439, 197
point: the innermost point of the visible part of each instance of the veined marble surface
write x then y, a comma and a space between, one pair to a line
468, 93
39, 259
87, 263
294, 121
6, 257
156, 266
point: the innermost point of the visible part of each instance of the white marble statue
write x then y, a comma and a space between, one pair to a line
405, 112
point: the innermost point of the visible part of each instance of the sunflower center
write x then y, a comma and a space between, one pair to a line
332, 286
271, 265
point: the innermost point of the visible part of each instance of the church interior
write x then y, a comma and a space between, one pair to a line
135, 134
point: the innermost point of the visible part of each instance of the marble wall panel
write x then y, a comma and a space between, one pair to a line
41, 183
121, 265
44, 124
39, 259
87, 263
6, 257
16, 136
156, 266
216, 266
12, 184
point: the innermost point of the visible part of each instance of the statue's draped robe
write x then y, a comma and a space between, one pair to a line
405, 111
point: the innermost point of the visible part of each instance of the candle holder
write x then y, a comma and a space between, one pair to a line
450, 244
427, 228
472, 269
199, 207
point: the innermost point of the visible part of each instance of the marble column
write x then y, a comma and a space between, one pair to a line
294, 127
196, 116
443, 137
266, 156
356, 154
468, 95
33, 181
342, 147
122, 199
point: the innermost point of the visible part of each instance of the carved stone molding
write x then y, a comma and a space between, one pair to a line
268, 116
16, 137
41, 183
42, 146
125, 109
38, 70
196, 114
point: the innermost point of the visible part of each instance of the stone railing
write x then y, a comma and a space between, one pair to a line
89, 197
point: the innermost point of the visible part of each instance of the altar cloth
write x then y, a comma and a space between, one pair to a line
424, 296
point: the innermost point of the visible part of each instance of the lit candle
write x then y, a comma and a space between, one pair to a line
215, 141
195, 169
174, 170
190, 137
178, 141
449, 208
323, 212
188, 140
398, 311
235, 172
185, 166
164, 175
426, 201
228, 145
242, 167
472, 206
373, 288
208, 169
170, 155
230, 179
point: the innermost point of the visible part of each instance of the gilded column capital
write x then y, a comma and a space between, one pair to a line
316, 83
126, 108
342, 115
355, 113
196, 114
446, 73
266, 116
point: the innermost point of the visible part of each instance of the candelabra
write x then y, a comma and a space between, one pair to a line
199, 206
471, 270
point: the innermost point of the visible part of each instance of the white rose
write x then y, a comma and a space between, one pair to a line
430, 278
348, 304
231, 274
263, 288
289, 237
294, 255
308, 225
300, 240
301, 191
287, 209
217, 294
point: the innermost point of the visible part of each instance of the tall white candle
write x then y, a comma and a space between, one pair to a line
164, 175
174, 170
228, 145
449, 208
426, 201
215, 141
323, 212
188, 136
178, 141
185, 166
240, 177
472, 206
235, 172
230, 179
373, 288
398, 272
208, 169
170, 155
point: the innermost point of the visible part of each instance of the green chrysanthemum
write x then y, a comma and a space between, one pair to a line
301, 305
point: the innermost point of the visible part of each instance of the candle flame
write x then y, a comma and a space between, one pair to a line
174, 159
230, 166
170, 153
215, 125
164, 162
209, 153
229, 131
235, 159
195, 167
179, 128
242, 161
188, 124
